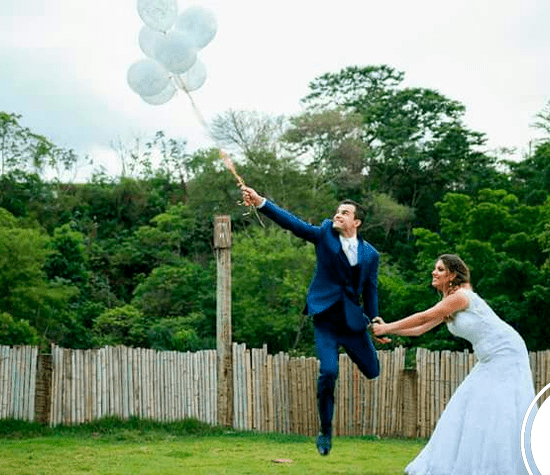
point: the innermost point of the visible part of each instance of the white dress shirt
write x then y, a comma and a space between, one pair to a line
349, 245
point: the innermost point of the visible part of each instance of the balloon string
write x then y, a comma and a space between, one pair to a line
195, 108
225, 158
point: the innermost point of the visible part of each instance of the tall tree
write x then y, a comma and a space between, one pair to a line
330, 142
247, 132
542, 121
26, 151
26, 292
418, 147
530, 178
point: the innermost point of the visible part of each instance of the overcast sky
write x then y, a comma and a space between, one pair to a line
63, 63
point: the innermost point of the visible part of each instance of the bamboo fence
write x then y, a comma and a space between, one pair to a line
132, 382
271, 393
17, 382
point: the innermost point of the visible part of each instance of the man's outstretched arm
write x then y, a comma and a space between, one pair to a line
282, 217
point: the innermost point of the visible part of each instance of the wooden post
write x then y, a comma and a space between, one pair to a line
222, 245
409, 389
42, 398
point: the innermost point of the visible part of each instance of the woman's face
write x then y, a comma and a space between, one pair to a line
441, 277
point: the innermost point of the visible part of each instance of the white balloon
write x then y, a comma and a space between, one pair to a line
160, 15
199, 23
176, 52
195, 77
148, 40
161, 98
147, 77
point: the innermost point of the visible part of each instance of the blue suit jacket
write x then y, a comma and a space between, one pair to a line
332, 281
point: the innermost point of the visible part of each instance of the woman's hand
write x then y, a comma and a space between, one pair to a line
377, 330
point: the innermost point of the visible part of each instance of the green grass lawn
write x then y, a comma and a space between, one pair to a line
134, 449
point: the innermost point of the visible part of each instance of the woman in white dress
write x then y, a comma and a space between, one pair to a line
479, 431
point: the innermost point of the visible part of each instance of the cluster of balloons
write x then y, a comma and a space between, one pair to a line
171, 42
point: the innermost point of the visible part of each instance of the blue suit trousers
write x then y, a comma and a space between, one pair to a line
359, 347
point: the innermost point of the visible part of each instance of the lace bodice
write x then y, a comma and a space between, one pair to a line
489, 335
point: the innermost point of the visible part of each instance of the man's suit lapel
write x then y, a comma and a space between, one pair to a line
361, 260
360, 250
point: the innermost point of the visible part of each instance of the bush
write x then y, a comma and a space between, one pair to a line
16, 333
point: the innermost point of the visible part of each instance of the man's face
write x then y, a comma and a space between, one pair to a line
344, 220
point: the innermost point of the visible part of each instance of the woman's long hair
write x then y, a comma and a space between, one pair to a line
456, 265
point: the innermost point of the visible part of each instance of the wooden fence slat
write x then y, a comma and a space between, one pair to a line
75, 396
16, 382
238, 400
32, 385
4, 355
25, 383
188, 384
51, 419
178, 386
3, 382
22, 376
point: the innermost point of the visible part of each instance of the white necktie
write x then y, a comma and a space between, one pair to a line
347, 246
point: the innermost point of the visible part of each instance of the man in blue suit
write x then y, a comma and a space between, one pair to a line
347, 269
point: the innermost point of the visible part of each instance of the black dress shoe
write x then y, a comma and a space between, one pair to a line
323, 444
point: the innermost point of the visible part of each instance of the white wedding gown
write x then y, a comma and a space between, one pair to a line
479, 431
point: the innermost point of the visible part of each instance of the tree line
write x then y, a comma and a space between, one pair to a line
129, 259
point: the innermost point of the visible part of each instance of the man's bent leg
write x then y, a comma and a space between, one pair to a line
362, 352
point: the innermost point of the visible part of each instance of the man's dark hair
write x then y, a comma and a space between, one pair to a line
360, 210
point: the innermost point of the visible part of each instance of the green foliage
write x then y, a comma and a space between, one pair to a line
531, 176
26, 292
178, 305
330, 137
178, 232
173, 290
452, 210
7, 220
24, 194
23, 150
68, 257
417, 147
179, 334
496, 235
73, 328
120, 326
271, 272
129, 260
16, 332
429, 245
